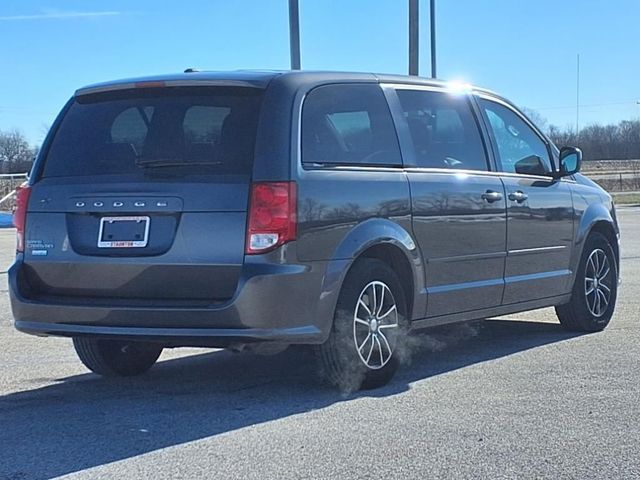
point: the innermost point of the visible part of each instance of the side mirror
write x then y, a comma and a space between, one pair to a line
531, 165
570, 161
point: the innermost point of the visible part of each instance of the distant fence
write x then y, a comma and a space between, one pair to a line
614, 175
8, 184
610, 165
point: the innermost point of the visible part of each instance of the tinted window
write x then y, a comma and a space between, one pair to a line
178, 130
204, 124
443, 129
130, 126
348, 124
520, 149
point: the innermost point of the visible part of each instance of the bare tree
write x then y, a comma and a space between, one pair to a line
16, 155
602, 142
535, 117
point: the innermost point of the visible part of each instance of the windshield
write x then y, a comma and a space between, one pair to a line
195, 130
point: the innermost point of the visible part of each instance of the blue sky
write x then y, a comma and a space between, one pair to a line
525, 50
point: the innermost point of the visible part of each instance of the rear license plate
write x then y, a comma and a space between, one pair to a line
123, 232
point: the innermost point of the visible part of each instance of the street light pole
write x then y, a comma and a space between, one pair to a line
432, 19
578, 96
294, 34
414, 29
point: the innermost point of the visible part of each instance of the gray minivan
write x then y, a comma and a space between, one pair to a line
271, 208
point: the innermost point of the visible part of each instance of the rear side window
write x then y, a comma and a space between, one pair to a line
195, 130
348, 125
443, 129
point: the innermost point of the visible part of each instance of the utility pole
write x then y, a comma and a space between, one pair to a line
294, 34
414, 29
578, 96
432, 20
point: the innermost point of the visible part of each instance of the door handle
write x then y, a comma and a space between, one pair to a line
518, 196
491, 196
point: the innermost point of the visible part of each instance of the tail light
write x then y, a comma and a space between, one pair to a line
272, 216
20, 214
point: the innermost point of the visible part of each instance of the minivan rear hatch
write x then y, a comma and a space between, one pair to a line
142, 194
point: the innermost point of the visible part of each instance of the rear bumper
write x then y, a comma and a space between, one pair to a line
273, 303
178, 337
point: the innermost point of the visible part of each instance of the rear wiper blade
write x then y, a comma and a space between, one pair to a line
171, 163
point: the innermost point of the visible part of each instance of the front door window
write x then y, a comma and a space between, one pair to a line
520, 148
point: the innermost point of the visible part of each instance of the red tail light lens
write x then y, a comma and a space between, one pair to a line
20, 214
272, 216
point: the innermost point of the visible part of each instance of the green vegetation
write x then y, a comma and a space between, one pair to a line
626, 199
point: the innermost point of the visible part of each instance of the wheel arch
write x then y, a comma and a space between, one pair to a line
393, 256
606, 229
596, 218
576, 314
392, 244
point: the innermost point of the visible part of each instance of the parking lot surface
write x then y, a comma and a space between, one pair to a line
516, 397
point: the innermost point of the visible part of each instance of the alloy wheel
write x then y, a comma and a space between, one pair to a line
597, 283
375, 325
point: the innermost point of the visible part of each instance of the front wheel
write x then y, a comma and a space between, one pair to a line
369, 326
594, 293
116, 358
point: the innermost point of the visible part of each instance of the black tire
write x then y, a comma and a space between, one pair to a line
115, 358
581, 314
340, 363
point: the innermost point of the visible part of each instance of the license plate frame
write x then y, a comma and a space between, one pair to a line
124, 243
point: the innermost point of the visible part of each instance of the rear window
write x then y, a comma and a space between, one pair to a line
195, 130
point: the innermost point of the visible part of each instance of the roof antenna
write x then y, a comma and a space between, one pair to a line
191, 70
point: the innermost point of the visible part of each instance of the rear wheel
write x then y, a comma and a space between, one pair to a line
594, 293
115, 358
369, 326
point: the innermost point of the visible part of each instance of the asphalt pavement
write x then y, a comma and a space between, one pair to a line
515, 397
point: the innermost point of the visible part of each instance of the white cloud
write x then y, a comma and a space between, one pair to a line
59, 15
